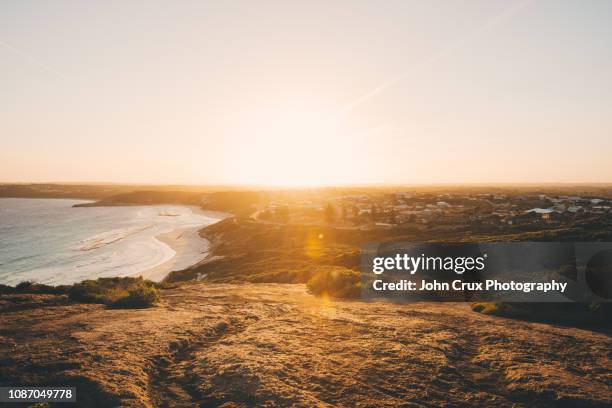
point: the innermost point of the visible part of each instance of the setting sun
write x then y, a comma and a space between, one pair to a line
299, 147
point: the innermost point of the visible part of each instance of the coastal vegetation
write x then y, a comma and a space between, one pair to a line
335, 282
118, 293
34, 288
121, 293
594, 315
245, 250
148, 198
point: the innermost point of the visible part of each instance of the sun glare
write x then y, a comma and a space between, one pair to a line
292, 148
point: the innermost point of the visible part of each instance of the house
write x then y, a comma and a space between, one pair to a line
535, 214
541, 211
600, 209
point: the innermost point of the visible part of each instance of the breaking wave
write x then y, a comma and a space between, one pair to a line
109, 237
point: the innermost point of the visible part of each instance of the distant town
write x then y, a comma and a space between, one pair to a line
399, 209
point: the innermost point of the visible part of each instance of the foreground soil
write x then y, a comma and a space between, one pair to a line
237, 345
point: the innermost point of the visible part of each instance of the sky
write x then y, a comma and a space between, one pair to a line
300, 93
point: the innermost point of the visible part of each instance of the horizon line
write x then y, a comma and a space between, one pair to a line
319, 186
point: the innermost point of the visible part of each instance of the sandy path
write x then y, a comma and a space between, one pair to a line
276, 345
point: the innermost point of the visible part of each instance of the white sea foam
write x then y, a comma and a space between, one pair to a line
109, 237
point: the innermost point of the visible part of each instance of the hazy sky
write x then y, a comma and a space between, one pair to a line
308, 92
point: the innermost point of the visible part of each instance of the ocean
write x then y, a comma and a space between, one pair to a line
48, 241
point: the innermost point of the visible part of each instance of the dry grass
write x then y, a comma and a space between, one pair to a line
276, 345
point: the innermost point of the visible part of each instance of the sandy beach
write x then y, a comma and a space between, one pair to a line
189, 247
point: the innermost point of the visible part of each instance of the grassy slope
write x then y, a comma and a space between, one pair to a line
247, 250
276, 345
244, 250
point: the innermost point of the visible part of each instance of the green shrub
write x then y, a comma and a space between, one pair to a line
91, 291
24, 286
562, 313
27, 287
336, 282
138, 298
116, 292
490, 308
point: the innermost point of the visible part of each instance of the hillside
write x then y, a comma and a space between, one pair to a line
276, 345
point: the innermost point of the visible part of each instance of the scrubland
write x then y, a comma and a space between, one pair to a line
232, 345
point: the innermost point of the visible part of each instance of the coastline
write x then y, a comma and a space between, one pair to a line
101, 243
189, 247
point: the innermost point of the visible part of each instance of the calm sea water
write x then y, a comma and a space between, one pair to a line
49, 241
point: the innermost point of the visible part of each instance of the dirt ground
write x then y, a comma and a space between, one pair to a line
236, 345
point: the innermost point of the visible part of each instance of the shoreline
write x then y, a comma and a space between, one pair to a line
113, 248
189, 247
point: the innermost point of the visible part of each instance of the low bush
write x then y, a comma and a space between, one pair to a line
27, 287
336, 282
490, 308
575, 314
116, 292
138, 298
